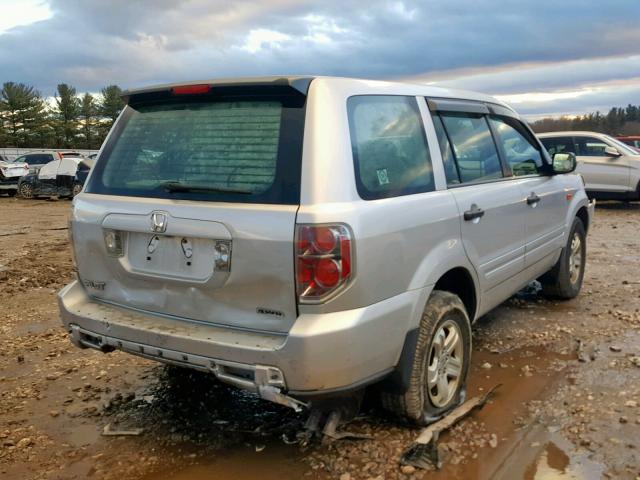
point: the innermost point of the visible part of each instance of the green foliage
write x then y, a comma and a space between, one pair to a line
23, 115
65, 114
618, 121
110, 107
88, 120
72, 121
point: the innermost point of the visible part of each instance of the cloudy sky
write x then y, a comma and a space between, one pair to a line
542, 56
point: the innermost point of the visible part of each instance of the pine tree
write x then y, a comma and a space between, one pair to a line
111, 104
23, 115
89, 122
67, 113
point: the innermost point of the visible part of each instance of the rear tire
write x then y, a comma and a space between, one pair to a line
564, 280
438, 376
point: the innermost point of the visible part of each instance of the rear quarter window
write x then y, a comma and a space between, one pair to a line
390, 151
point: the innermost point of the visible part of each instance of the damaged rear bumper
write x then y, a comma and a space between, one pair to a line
322, 355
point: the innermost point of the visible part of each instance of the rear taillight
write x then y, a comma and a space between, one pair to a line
324, 261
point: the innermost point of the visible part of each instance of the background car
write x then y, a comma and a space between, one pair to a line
609, 168
60, 178
10, 173
37, 159
631, 140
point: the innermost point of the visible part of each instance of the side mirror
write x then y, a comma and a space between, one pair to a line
564, 162
612, 151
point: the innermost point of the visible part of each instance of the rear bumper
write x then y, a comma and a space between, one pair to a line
322, 354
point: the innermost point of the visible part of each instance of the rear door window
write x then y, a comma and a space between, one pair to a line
390, 150
558, 145
521, 153
473, 146
217, 150
590, 147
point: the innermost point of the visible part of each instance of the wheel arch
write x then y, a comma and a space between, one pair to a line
460, 282
583, 215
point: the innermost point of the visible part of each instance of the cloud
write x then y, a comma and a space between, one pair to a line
30, 11
509, 47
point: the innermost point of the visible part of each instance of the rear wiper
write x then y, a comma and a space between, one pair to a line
187, 187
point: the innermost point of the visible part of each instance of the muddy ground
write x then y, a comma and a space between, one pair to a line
568, 407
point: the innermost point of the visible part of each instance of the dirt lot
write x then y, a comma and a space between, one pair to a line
568, 407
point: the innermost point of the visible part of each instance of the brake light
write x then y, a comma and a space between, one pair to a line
324, 263
191, 89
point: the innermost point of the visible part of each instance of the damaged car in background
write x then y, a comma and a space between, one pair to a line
307, 275
64, 177
10, 174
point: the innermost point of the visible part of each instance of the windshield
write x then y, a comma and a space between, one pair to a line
206, 150
623, 147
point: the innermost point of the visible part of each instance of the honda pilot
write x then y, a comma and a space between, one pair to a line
304, 238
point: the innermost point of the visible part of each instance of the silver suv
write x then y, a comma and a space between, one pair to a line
306, 237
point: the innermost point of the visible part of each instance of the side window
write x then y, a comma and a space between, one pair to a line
558, 145
389, 146
450, 169
590, 147
520, 152
38, 158
473, 146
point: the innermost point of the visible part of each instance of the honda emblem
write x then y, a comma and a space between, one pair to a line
159, 222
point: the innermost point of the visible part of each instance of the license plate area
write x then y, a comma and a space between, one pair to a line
172, 257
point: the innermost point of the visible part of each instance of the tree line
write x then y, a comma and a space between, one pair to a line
618, 121
70, 120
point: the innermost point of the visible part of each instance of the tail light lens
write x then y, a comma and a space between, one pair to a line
324, 261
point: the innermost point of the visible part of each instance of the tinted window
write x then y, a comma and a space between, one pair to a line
389, 146
473, 146
37, 158
450, 169
236, 151
590, 147
520, 152
558, 145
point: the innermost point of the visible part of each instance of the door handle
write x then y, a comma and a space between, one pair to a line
533, 199
473, 213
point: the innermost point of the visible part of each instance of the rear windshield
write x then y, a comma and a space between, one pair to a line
235, 150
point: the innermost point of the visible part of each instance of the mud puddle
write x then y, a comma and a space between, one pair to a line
468, 452
542, 455
275, 462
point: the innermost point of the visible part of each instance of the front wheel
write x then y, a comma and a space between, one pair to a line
26, 190
564, 280
440, 365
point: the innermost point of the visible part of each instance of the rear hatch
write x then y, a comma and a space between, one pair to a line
190, 210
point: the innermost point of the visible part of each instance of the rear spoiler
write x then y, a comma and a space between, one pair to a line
226, 86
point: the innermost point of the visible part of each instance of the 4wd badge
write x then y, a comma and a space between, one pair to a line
159, 222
